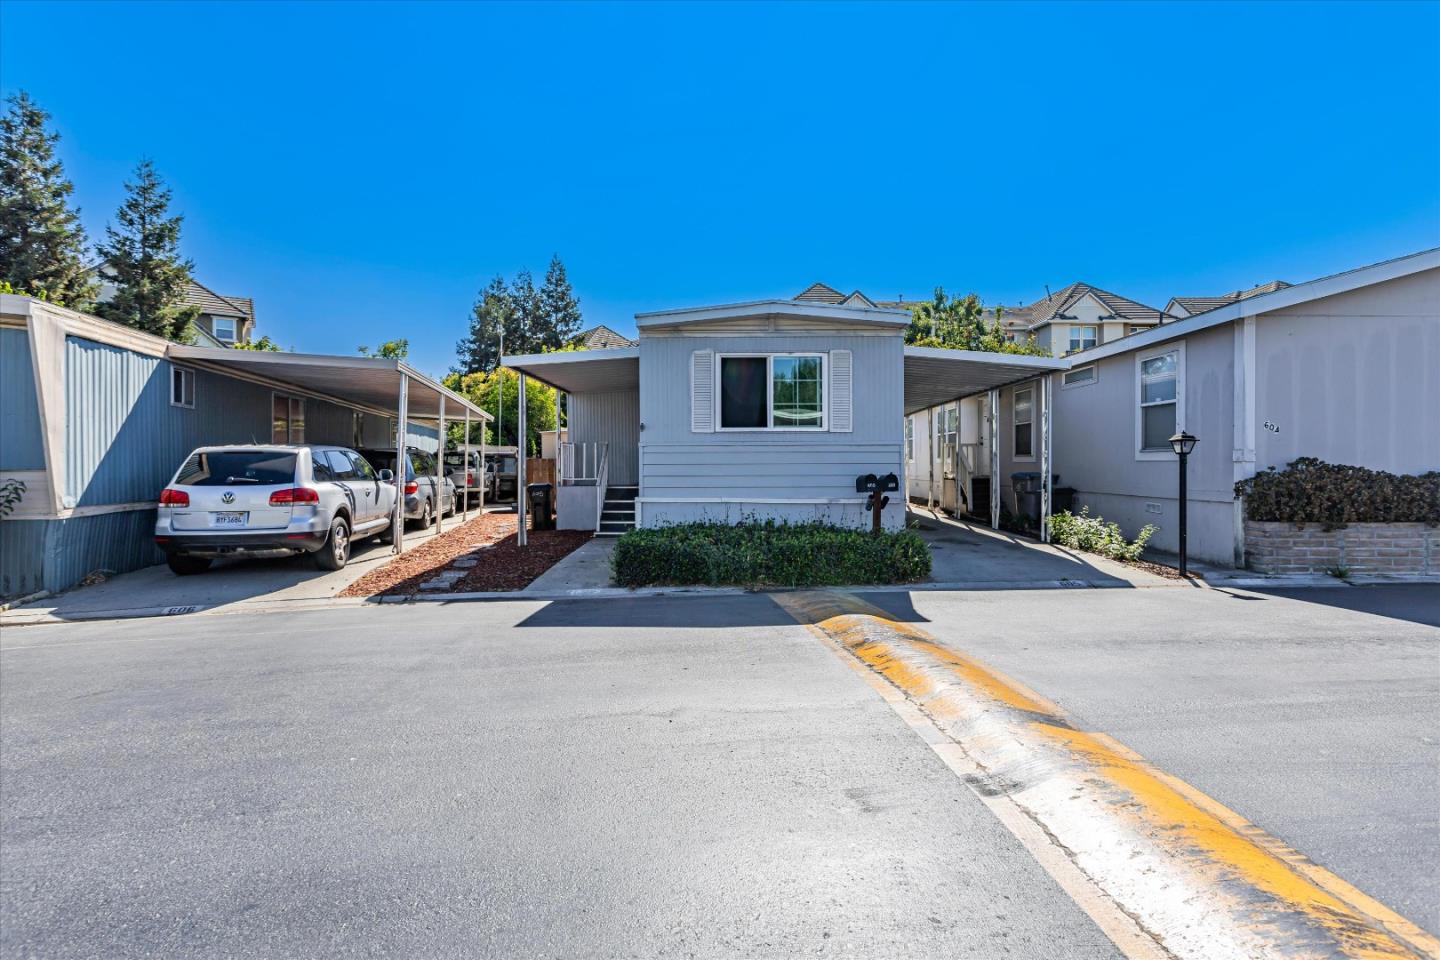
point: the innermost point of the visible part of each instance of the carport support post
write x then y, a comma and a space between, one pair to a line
1045, 464
465, 458
994, 419
440, 472
520, 451
402, 417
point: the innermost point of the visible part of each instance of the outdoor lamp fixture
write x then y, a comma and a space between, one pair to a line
1182, 443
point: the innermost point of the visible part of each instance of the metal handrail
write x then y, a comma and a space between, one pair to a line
602, 480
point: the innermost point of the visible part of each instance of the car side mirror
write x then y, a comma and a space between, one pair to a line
386, 476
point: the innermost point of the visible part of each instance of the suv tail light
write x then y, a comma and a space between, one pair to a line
469, 479
412, 486
292, 495
174, 498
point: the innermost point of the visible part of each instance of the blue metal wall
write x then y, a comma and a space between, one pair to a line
22, 556
20, 439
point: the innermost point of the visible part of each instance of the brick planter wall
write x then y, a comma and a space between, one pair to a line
1364, 549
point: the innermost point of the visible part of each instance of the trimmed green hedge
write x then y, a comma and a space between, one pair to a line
767, 554
1313, 491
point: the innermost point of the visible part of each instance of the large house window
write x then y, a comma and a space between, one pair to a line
772, 392
287, 419
1082, 337
1025, 423
224, 329
182, 387
1159, 398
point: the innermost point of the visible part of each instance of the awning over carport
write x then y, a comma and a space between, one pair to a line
368, 382
934, 375
581, 371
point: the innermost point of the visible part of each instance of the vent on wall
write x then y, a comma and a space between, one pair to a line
1152, 507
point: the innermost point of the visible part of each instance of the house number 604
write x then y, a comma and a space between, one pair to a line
1272, 426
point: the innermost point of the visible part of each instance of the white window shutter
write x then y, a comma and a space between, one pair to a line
702, 391
842, 389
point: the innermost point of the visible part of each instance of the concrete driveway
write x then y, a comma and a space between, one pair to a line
227, 584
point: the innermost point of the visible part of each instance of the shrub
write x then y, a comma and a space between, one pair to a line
773, 554
1093, 535
1313, 491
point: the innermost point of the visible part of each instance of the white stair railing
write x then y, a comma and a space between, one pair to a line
583, 464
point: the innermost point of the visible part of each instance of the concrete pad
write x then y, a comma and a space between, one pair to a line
964, 552
226, 583
586, 569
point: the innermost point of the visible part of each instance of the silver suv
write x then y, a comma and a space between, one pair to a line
272, 501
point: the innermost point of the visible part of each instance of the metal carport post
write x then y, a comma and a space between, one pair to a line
401, 427
994, 419
520, 537
1045, 460
440, 472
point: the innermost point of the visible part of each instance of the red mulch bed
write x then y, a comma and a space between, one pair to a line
503, 565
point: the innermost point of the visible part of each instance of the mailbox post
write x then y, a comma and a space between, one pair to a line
876, 502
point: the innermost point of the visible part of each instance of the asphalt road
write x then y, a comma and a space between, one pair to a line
1314, 713
649, 778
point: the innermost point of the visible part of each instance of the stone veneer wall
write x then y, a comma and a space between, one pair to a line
1363, 549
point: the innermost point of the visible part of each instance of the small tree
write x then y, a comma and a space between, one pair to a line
485, 390
142, 255
959, 324
42, 245
389, 350
263, 344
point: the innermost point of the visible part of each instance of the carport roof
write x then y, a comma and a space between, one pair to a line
581, 371
368, 382
935, 375
932, 375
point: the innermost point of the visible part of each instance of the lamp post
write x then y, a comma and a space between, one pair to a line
500, 404
1182, 443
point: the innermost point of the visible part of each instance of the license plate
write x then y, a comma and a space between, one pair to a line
229, 519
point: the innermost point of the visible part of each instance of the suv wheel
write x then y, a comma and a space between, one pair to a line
186, 566
427, 518
336, 552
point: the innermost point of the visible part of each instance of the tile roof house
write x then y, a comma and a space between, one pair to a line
1189, 306
224, 321
600, 337
1080, 316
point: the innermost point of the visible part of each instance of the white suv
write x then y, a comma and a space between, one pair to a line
272, 501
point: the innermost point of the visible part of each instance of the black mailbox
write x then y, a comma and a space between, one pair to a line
866, 482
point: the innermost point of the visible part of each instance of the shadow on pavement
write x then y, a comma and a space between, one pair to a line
1415, 602
722, 610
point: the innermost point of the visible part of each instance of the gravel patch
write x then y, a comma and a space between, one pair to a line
478, 556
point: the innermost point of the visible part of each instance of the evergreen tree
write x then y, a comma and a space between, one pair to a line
42, 245
142, 257
528, 333
559, 309
492, 313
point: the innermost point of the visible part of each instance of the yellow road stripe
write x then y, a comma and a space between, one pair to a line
1196, 875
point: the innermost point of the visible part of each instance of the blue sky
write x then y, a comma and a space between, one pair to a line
362, 169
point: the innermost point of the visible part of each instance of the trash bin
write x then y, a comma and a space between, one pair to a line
1026, 484
1062, 499
542, 506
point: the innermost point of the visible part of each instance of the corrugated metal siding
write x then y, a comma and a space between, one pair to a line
676, 462
22, 557
329, 423
114, 542
21, 446
124, 439
612, 418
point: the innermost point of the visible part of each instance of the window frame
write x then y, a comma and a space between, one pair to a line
1015, 453
234, 328
1177, 348
187, 377
769, 359
1094, 378
1078, 337
290, 401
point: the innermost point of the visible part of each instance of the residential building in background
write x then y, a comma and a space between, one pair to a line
224, 320
1189, 306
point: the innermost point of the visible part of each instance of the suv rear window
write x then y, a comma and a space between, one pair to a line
222, 468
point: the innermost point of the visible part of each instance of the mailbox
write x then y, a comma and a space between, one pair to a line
870, 483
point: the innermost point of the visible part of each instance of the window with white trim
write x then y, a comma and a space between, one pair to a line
182, 387
909, 439
1079, 377
224, 328
287, 419
1083, 337
771, 392
1025, 424
1158, 396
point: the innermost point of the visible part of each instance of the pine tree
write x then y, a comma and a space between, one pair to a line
492, 313
142, 257
528, 332
42, 245
559, 309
